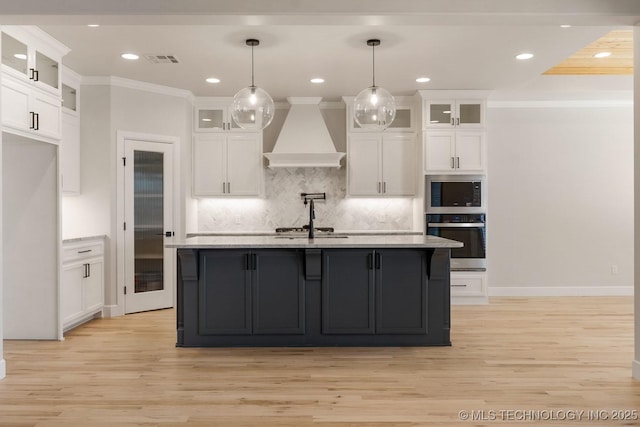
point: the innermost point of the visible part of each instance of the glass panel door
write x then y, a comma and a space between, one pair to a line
148, 215
149, 221
14, 54
440, 113
47, 70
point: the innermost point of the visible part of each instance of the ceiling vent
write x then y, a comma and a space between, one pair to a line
162, 59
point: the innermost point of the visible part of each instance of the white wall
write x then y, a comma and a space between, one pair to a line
109, 106
560, 197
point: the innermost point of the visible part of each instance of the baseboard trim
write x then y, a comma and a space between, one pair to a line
560, 291
635, 369
111, 311
3, 369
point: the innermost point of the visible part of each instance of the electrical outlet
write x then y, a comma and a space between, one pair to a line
237, 219
614, 269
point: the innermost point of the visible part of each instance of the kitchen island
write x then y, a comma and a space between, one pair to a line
334, 290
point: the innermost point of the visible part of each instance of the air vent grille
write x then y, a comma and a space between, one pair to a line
162, 59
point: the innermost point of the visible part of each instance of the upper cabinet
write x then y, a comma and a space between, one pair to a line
31, 82
70, 137
405, 120
453, 109
214, 115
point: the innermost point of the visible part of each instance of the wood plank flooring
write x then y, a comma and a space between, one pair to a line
535, 357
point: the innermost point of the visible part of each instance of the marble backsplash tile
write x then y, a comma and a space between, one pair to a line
282, 206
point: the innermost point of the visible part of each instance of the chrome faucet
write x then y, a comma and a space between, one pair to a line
309, 198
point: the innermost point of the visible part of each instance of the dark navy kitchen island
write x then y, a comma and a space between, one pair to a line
339, 291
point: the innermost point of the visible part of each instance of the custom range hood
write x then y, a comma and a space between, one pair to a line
304, 141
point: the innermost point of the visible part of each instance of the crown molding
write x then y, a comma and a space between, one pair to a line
137, 85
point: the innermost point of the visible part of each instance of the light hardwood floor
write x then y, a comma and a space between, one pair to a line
546, 356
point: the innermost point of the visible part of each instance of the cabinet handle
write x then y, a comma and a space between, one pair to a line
458, 286
247, 261
254, 261
32, 119
31, 73
37, 121
378, 261
453, 163
370, 261
458, 162
89, 270
85, 251
228, 188
384, 186
85, 271
457, 121
453, 123
378, 186
224, 187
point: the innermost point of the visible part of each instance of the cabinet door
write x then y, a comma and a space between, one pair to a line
399, 165
347, 292
363, 165
48, 72
440, 114
224, 293
15, 104
70, 154
244, 164
71, 304
209, 165
278, 292
469, 113
47, 109
14, 56
211, 119
470, 151
401, 291
439, 151
93, 299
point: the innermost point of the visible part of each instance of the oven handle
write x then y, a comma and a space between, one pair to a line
456, 224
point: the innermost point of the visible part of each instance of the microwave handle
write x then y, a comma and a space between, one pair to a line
456, 224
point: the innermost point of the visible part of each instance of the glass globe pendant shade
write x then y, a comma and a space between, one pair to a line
374, 108
252, 108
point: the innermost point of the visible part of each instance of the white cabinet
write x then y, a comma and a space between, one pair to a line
227, 165
70, 136
454, 113
454, 152
82, 286
405, 120
381, 164
214, 115
468, 287
31, 96
28, 111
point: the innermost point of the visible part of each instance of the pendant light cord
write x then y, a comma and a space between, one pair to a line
252, 82
373, 66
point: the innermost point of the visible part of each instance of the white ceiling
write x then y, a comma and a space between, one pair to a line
459, 44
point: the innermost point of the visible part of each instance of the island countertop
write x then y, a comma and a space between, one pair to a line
302, 241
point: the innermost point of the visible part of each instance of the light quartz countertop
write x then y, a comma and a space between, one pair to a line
335, 240
84, 238
273, 233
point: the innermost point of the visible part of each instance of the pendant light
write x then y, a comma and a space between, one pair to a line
252, 107
374, 108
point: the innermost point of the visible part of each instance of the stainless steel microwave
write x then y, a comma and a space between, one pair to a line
455, 194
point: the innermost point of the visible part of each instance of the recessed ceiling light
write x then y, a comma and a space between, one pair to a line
93, 25
212, 80
565, 26
524, 55
317, 80
20, 56
131, 56
602, 54
423, 79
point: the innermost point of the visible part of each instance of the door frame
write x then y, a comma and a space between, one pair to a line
121, 137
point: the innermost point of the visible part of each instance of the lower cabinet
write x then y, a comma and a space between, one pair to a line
313, 297
469, 287
82, 286
374, 291
251, 292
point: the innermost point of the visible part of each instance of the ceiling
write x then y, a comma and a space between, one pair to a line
458, 44
619, 43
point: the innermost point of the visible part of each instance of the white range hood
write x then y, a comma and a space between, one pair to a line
304, 140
